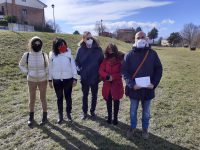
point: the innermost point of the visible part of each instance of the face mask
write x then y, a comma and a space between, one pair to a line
36, 46
89, 43
62, 48
141, 43
111, 55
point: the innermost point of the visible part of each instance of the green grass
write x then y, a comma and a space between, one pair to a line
175, 110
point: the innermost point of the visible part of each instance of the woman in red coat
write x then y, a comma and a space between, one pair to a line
110, 72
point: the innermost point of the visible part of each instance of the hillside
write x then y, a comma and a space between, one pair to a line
175, 110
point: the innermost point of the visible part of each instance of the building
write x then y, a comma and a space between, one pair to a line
165, 43
126, 35
106, 34
27, 12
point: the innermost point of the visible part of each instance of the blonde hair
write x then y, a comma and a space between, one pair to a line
85, 35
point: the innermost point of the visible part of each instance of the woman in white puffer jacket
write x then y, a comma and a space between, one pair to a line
35, 64
62, 75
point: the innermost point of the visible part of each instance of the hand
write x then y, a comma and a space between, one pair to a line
51, 84
150, 86
110, 79
136, 87
74, 83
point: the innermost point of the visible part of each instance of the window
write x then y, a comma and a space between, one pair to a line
23, 0
24, 12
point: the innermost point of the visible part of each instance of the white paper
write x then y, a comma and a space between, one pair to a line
143, 81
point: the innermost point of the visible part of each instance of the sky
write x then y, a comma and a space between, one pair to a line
166, 15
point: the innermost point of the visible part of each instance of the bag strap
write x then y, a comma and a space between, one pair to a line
45, 65
27, 56
139, 67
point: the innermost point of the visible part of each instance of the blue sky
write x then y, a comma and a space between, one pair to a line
166, 15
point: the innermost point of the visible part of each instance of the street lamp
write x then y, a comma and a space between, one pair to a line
54, 17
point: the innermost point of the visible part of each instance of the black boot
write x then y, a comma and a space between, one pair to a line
69, 118
109, 110
116, 110
60, 118
31, 119
44, 118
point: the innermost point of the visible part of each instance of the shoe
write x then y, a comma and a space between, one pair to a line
115, 122
44, 119
84, 116
60, 118
93, 115
109, 121
130, 133
31, 119
145, 134
69, 118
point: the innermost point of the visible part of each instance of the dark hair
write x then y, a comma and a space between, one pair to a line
56, 43
114, 49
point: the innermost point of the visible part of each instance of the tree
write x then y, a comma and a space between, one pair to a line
138, 29
76, 32
190, 34
50, 24
153, 34
99, 28
160, 41
174, 38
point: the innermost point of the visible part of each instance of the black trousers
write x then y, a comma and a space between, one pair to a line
94, 91
109, 107
63, 86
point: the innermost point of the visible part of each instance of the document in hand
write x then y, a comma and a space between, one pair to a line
143, 81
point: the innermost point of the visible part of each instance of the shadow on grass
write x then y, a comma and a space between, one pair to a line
100, 141
153, 143
70, 142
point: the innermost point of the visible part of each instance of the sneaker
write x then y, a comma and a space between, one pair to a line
115, 122
109, 121
69, 118
30, 123
93, 115
130, 133
145, 134
84, 116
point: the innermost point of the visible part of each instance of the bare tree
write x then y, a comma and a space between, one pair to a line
190, 34
99, 27
57, 27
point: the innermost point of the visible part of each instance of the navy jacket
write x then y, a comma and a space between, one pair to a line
152, 67
88, 61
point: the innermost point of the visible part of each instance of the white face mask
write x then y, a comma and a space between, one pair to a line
89, 43
141, 43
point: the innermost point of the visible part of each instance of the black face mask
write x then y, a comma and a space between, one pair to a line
36, 45
111, 55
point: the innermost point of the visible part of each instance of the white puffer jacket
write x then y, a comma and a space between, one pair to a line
37, 66
62, 66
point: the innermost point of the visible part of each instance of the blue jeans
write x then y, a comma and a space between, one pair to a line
146, 104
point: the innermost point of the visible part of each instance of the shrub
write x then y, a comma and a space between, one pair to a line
3, 23
10, 19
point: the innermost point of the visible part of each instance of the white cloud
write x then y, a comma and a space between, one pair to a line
168, 21
81, 12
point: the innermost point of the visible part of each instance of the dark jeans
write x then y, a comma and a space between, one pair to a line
109, 108
63, 86
85, 90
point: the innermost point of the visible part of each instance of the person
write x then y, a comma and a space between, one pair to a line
62, 76
35, 64
141, 61
88, 59
110, 72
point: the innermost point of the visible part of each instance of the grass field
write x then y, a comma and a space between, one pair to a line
175, 122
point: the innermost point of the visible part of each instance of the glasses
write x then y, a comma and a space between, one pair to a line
140, 37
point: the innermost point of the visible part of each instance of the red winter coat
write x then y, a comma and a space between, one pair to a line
112, 68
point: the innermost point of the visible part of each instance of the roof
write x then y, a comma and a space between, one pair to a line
42, 3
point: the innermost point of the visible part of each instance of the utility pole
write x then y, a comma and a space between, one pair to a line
54, 17
101, 27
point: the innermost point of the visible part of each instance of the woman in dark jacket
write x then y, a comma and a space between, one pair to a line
110, 72
151, 69
88, 59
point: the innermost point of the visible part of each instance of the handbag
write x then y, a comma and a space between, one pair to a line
135, 73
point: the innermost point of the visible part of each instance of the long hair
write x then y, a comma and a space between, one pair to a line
56, 43
114, 49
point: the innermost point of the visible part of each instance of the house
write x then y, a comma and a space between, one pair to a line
27, 12
106, 34
126, 35
165, 43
